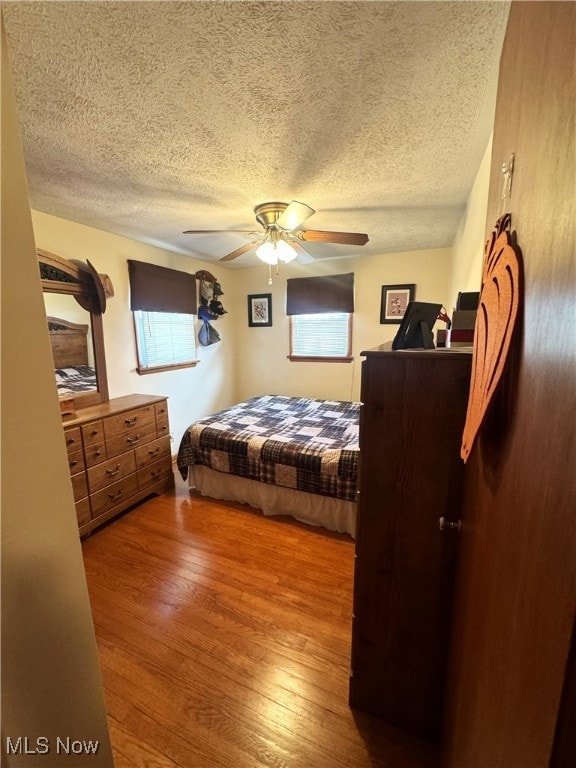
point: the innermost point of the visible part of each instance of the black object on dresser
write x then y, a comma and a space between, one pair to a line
411, 475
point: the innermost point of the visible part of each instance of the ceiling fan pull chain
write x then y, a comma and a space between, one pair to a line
269, 274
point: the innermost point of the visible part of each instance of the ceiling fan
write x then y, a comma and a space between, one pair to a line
281, 236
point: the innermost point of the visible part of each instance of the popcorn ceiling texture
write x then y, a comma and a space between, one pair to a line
148, 118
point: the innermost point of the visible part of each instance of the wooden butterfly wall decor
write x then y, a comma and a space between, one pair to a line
497, 317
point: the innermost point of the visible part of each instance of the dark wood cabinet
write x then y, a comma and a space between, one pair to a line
411, 421
119, 453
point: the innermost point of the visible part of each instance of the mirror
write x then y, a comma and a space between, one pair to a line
75, 299
69, 326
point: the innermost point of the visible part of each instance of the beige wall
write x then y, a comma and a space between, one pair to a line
469, 241
191, 392
51, 683
261, 361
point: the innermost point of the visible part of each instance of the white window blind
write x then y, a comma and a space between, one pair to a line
164, 339
321, 335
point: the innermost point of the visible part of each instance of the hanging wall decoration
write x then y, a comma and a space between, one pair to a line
496, 320
394, 300
260, 310
210, 307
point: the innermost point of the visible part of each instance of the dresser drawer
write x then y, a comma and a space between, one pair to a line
131, 439
93, 433
162, 427
109, 471
161, 411
79, 486
115, 494
127, 421
75, 462
148, 454
151, 474
83, 511
73, 439
95, 454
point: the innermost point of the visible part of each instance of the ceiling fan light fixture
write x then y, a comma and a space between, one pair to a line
285, 251
267, 253
271, 252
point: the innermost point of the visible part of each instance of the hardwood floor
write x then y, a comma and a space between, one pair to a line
224, 640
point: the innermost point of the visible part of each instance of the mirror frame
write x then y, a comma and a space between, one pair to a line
80, 280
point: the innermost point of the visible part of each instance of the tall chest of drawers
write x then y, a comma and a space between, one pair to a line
119, 453
411, 475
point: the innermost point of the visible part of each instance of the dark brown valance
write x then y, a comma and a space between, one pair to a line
159, 289
312, 295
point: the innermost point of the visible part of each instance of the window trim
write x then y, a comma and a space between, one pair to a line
143, 370
160, 368
347, 358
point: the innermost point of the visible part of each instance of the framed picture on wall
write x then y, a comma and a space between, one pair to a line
395, 299
259, 309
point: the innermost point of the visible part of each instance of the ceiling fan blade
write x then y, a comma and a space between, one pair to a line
294, 215
303, 256
346, 238
239, 251
215, 231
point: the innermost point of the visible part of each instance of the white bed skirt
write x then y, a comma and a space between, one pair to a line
333, 514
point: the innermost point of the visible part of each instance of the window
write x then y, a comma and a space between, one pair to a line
325, 336
320, 311
164, 305
164, 340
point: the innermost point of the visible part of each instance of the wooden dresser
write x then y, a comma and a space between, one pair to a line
411, 421
119, 453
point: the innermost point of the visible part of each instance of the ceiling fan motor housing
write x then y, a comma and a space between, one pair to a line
268, 214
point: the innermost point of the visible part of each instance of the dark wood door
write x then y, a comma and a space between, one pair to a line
516, 587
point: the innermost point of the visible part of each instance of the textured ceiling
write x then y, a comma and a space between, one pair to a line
148, 118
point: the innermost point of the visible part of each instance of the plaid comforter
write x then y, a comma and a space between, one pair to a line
295, 442
75, 379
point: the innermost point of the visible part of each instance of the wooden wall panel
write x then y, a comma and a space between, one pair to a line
517, 577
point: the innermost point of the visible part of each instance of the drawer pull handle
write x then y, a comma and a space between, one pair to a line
133, 440
94, 432
97, 453
112, 472
156, 473
71, 441
163, 428
114, 496
131, 422
155, 451
73, 463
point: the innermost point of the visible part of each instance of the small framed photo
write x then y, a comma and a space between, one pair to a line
395, 299
260, 310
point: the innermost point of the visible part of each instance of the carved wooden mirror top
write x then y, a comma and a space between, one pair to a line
77, 338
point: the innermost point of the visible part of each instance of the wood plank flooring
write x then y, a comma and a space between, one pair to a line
224, 640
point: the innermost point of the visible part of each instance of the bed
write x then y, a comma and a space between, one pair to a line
284, 455
70, 352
